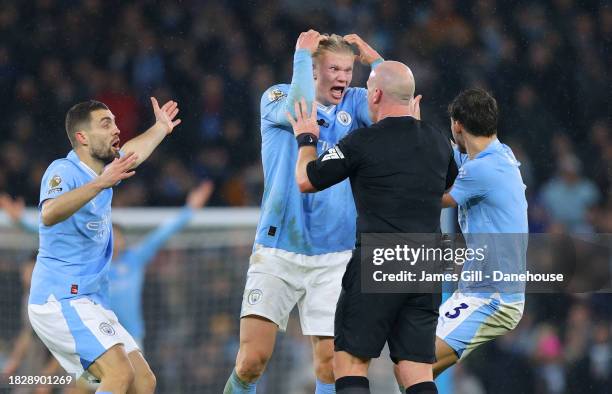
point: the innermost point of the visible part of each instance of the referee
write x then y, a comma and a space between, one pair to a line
399, 169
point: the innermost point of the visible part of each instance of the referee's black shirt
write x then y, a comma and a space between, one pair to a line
399, 169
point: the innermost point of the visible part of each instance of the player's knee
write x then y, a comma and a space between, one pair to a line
250, 365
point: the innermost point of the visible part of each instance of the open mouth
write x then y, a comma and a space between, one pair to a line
337, 92
115, 144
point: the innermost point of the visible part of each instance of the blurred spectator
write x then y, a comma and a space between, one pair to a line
544, 60
569, 196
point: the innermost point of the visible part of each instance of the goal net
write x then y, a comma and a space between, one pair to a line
191, 302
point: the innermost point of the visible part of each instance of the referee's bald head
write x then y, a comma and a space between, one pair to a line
394, 80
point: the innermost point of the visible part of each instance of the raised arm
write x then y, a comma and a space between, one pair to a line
144, 252
15, 208
302, 81
60, 208
144, 144
368, 57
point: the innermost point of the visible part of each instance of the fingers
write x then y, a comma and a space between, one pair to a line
154, 103
310, 40
304, 108
313, 112
290, 119
169, 106
206, 189
176, 123
126, 175
353, 39
126, 161
301, 113
350, 38
297, 110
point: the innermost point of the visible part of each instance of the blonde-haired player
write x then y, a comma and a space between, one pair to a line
303, 242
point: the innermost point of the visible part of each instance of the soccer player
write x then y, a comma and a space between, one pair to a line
399, 169
303, 242
490, 194
69, 305
127, 270
129, 264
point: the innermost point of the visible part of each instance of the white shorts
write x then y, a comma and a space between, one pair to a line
467, 321
78, 331
277, 280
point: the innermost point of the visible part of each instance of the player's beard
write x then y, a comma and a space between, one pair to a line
105, 154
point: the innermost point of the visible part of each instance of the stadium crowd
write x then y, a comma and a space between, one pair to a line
547, 63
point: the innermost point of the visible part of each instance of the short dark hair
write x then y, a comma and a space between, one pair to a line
476, 110
79, 114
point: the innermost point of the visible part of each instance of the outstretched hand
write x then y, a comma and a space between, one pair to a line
166, 114
13, 208
367, 55
117, 171
304, 122
199, 196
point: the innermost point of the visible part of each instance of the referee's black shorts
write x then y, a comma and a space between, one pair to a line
364, 322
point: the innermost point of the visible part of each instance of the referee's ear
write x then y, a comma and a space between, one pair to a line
448, 201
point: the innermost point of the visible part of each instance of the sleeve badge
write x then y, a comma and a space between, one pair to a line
276, 95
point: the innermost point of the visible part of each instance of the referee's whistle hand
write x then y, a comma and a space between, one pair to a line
304, 122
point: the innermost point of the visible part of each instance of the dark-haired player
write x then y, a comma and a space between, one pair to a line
490, 194
69, 302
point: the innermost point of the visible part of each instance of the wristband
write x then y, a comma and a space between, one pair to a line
306, 139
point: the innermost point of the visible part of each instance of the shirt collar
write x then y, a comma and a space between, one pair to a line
492, 147
73, 157
326, 109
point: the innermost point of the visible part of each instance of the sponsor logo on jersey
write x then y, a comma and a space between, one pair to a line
100, 227
106, 329
275, 95
333, 153
255, 296
344, 118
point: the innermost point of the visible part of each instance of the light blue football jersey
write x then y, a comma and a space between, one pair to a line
74, 255
127, 273
308, 224
490, 193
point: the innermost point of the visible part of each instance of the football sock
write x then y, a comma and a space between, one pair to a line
235, 385
325, 388
422, 388
353, 385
